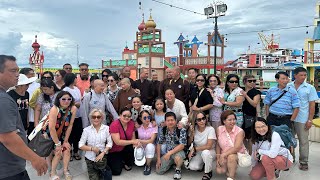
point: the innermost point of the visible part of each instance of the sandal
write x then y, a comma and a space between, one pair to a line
67, 175
77, 156
207, 176
54, 177
303, 167
127, 168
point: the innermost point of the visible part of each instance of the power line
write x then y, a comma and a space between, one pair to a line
177, 7
274, 29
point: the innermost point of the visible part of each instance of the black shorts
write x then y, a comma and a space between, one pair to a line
248, 122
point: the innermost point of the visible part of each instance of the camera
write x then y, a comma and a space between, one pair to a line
258, 157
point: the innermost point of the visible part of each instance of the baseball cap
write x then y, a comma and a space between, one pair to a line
139, 156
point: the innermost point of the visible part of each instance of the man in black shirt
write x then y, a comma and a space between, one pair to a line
145, 87
155, 84
21, 96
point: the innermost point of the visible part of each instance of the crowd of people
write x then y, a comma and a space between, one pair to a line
199, 123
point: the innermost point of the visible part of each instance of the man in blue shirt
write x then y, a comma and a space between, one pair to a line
303, 122
286, 108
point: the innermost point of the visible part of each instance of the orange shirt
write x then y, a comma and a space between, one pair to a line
83, 84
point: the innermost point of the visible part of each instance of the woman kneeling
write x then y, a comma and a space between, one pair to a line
203, 146
269, 152
96, 141
230, 142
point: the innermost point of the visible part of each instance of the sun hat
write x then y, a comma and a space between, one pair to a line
23, 80
139, 156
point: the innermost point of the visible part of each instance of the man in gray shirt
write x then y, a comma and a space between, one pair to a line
13, 149
96, 99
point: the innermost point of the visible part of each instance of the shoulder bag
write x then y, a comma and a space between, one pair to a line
244, 159
41, 143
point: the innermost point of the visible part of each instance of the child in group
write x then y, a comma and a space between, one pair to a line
160, 109
175, 140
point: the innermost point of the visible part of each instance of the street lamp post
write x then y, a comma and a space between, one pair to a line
139, 67
214, 10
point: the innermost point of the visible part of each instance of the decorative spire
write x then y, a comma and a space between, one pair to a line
150, 24
36, 45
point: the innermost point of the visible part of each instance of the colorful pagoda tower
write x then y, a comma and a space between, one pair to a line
150, 48
36, 59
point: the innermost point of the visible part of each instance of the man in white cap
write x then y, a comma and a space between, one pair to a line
21, 96
29, 72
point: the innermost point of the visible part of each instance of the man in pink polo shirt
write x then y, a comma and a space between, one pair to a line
83, 81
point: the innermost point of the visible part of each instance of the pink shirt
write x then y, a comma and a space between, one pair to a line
83, 84
146, 133
115, 127
224, 141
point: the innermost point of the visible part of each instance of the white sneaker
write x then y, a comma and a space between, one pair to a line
177, 174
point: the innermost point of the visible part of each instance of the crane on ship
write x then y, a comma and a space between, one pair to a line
271, 42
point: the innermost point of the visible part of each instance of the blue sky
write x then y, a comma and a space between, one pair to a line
102, 27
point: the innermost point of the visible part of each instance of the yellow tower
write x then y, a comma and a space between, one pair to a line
311, 55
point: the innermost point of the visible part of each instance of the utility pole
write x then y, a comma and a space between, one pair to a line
78, 54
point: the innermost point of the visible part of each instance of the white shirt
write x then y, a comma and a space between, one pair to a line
272, 149
100, 139
76, 94
180, 110
32, 87
201, 138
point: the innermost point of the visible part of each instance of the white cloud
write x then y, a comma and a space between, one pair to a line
101, 28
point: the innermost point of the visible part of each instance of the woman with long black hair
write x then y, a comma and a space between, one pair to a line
70, 86
268, 152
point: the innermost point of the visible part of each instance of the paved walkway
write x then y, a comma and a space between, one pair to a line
79, 171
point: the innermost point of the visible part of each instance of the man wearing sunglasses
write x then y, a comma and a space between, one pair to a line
83, 80
67, 67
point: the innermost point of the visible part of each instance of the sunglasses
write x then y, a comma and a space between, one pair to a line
252, 81
46, 77
200, 80
213, 81
57, 75
126, 116
95, 117
105, 75
201, 119
66, 99
68, 68
84, 69
233, 81
111, 80
147, 117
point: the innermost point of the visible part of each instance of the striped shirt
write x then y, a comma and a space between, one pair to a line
285, 105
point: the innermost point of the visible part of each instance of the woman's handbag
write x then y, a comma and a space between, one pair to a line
41, 143
192, 114
244, 159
